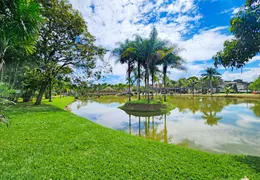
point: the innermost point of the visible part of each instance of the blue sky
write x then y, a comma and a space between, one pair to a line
198, 26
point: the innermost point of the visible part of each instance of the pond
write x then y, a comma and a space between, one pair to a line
220, 125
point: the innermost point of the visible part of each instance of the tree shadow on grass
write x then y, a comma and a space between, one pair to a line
252, 161
30, 108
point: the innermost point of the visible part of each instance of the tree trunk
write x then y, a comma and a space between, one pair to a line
164, 82
152, 85
129, 125
165, 130
139, 126
15, 77
40, 95
27, 96
147, 84
139, 80
211, 88
2, 75
50, 93
129, 83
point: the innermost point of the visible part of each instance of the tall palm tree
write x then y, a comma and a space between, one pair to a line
193, 81
171, 60
211, 74
228, 89
126, 53
148, 51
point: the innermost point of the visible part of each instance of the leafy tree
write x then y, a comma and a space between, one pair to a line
210, 74
126, 54
5, 103
183, 83
255, 86
245, 26
19, 22
170, 60
149, 51
193, 81
228, 89
64, 43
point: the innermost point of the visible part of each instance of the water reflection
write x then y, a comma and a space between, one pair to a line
150, 129
210, 124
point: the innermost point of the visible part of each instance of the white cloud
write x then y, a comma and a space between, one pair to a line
204, 45
114, 21
232, 11
235, 10
250, 75
256, 58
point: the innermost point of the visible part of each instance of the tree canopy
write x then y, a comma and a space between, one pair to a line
246, 28
255, 86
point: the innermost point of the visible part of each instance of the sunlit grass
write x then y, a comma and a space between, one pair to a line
46, 142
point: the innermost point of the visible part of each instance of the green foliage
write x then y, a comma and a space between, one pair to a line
5, 103
64, 44
147, 54
255, 86
228, 89
193, 81
245, 26
19, 24
65, 146
211, 74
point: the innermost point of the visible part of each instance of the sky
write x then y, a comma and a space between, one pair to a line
200, 27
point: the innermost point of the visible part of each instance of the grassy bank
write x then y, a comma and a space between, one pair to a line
46, 142
155, 106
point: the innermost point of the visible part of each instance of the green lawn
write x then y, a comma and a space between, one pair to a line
46, 142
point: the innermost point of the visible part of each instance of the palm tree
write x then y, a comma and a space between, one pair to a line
228, 89
126, 54
19, 24
210, 74
193, 81
172, 60
148, 51
154, 70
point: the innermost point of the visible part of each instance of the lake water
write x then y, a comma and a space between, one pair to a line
221, 125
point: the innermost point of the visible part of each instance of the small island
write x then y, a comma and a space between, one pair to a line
155, 106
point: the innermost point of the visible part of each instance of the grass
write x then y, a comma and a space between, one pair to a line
46, 142
144, 101
154, 106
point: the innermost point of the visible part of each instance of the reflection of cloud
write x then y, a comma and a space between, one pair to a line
246, 121
233, 134
210, 138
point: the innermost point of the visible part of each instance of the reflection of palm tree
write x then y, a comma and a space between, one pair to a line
211, 118
139, 126
165, 134
151, 132
256, 109
130, 125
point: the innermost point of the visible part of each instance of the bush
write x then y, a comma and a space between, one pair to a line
6, 97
